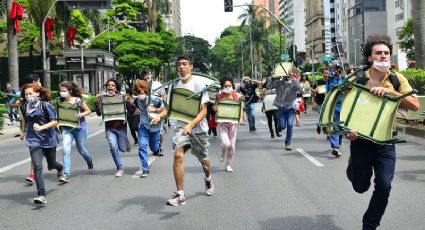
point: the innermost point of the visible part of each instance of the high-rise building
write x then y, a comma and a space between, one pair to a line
172, 17
342, 32
272, 5
315, 27
293, 12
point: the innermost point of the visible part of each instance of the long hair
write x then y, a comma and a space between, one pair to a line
44, 93
117, 84
140, 85
73, 88
372, 40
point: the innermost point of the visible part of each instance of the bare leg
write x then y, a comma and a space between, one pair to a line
178, 168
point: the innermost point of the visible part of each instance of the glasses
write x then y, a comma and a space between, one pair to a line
182, 63
382, 52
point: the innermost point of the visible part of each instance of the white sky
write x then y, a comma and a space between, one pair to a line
206, 18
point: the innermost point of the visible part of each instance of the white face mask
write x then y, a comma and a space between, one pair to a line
32, 99
64, 94
184, 77
110, 94
381, 66
142, 97
228, 90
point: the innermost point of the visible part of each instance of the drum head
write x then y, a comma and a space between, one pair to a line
113, 108
67, 115
268, 102
327, 111
228, 111
181, 108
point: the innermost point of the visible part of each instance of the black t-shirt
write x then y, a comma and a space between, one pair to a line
248, 90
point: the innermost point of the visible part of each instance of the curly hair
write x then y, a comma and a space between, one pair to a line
227, 78
372, 40
117, 84
74, 89
44, 93
140, 85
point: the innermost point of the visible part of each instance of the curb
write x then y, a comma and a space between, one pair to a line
406, 130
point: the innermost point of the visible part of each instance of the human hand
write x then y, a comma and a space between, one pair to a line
187, 129
151, 109
155, 120
352, 135
38, 127
380, 91
79, 115
22, 135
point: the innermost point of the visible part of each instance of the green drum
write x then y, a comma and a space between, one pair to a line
229, 111
209, 84
321, 89
327, 110
113, 108
182, 108
372, 117
67, 115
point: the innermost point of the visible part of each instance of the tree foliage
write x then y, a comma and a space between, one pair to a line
197, 48
407, 40
80, 22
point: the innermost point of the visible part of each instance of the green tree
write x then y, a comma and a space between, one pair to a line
195, 47
80, 22
407, 39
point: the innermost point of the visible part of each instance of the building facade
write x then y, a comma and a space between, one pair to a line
315, 27
172, 17
294, 14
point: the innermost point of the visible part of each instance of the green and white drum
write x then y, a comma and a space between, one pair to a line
229, 111
328, 109
181, 108
321, 89
113, 108
210, 84
67, 115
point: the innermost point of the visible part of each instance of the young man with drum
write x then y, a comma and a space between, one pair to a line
367, 157
189, 135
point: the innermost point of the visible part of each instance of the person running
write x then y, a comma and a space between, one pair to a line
286, 93
133, 116
269, 109
248, 88
10, 99
71, 93
319, 91
189, 135
368, 158
306, 94
39, 120
228, 130
115, 130
148, 133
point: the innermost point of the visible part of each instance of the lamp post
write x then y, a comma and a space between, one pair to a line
355, 51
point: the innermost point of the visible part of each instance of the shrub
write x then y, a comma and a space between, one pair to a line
416, 79
3, 110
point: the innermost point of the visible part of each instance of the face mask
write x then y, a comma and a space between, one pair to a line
64, 94
32, 99
184, 77
142, 97
381, 66
227, 89
110, 94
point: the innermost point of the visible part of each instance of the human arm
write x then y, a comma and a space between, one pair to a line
86, 110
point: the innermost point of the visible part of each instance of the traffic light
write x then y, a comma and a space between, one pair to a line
228, 5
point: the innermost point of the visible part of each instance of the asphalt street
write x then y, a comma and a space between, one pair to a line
270, 188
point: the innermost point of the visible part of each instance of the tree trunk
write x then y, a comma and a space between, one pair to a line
152, 15
418, 14
12, 50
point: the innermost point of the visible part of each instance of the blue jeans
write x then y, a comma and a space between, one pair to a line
335, 140
118, 141
13, 114
146, 137
80, 136
250, 113
286, 120
368, 158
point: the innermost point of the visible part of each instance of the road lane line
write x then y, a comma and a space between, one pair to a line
27, 160
312, 159
151, 159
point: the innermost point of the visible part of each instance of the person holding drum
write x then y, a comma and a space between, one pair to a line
286, 93
269, 109
318, 91
228, 130
39, 120
367, 157
115, 130
189, 134
248, 88
148, 133
71, 93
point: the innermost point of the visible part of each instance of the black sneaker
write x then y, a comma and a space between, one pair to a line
254, 129
278, 134
318, 129
144, 174
272, 135
90, 165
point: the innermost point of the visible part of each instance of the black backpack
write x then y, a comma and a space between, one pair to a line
362, 79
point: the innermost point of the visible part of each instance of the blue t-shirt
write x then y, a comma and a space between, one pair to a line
45, 138
144, 117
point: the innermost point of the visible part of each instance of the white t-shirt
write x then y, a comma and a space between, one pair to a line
194, 86
155, 85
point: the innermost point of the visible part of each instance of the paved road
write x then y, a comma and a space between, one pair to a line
271, 188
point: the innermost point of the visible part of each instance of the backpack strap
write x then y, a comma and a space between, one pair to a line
394, 81
361, 77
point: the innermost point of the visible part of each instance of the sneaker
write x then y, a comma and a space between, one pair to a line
209, 187
254, 129
336, 152
298, 124
119, 173
318, 129
60, 176
30, 179
272, 135
144, 174
222, 153
40, 200
176, 200
64, 179
90, 165
288, 147
139, 173
229, 168
278, 134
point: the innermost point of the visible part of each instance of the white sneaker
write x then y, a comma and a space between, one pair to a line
119, 173
222, 153
229, 168
40, 200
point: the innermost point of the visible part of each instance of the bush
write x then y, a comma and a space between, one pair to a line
90, 102
416, 79
3, 110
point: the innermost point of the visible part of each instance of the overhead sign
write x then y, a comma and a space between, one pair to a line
89, 4
72, 60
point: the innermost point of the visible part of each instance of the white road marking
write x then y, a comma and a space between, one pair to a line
312, 159
264, 123
151, 159
9, 167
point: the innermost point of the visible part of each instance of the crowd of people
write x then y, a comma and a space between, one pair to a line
284, 98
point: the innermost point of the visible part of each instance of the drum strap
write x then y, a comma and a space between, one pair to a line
362, 79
